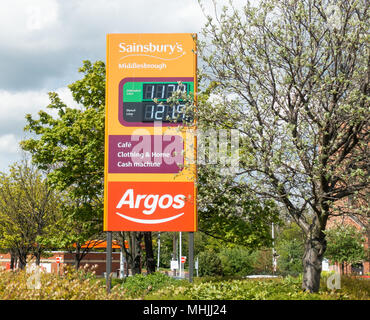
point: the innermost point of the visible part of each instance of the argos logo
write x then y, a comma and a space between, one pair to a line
151, 206
151, 202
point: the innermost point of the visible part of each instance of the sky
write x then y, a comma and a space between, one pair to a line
43, 43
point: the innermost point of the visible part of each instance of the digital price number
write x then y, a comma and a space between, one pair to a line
145, 102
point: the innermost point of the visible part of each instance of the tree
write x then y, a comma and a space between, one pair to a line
28, 210
231, 215
293, 79
345, 245
290, 249
149, 255
71, 147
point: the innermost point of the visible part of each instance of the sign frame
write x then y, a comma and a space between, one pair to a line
165, 57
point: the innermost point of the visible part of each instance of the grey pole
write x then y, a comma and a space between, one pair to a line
180, 253
159, 249
108, 260
191, 256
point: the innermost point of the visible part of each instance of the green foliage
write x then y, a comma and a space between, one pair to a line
29, 209
289, 288
209, 263
262, 261
73, 285
230, 214
139, 285
295, 86
290, 249
72, 143
290, 257
345, 244
236, 261
84, 285
166, 248
71, 146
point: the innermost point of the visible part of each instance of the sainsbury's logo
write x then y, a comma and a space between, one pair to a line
150, 48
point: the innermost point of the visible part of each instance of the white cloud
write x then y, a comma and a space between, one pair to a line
15, 105
13, 108
43, 43
9, 144
24, 23
41, 14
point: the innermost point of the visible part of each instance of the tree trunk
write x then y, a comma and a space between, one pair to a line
312, 262
149, 252
38, 258
137, 238
13, 259
77, 256
37, 255
22, 258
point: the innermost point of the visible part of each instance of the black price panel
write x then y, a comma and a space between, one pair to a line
144, 102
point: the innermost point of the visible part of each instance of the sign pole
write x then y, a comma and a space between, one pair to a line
108, 268
159, 249
191, 256
180, 254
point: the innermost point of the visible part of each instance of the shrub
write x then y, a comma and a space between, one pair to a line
288, 288
209, 264
236, 262
140, 284
37, 285
290, 257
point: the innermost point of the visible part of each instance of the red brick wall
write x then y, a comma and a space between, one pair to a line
90, 259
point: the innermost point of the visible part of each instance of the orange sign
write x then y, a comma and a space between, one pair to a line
149, 172
147, 206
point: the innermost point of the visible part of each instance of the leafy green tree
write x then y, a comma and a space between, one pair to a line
290, 249
293, 80
71, 147
71, 144
345, 245
209, 263
290, 257
236, 261
231, 215
29, 209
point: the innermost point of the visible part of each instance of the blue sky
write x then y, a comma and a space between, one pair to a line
43, 43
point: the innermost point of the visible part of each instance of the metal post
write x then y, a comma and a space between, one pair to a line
180, 254
274, 262
191, 256
159, 249
174, 254
108, 268
121, 264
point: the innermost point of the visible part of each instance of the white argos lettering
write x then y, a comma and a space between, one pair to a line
151, 202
